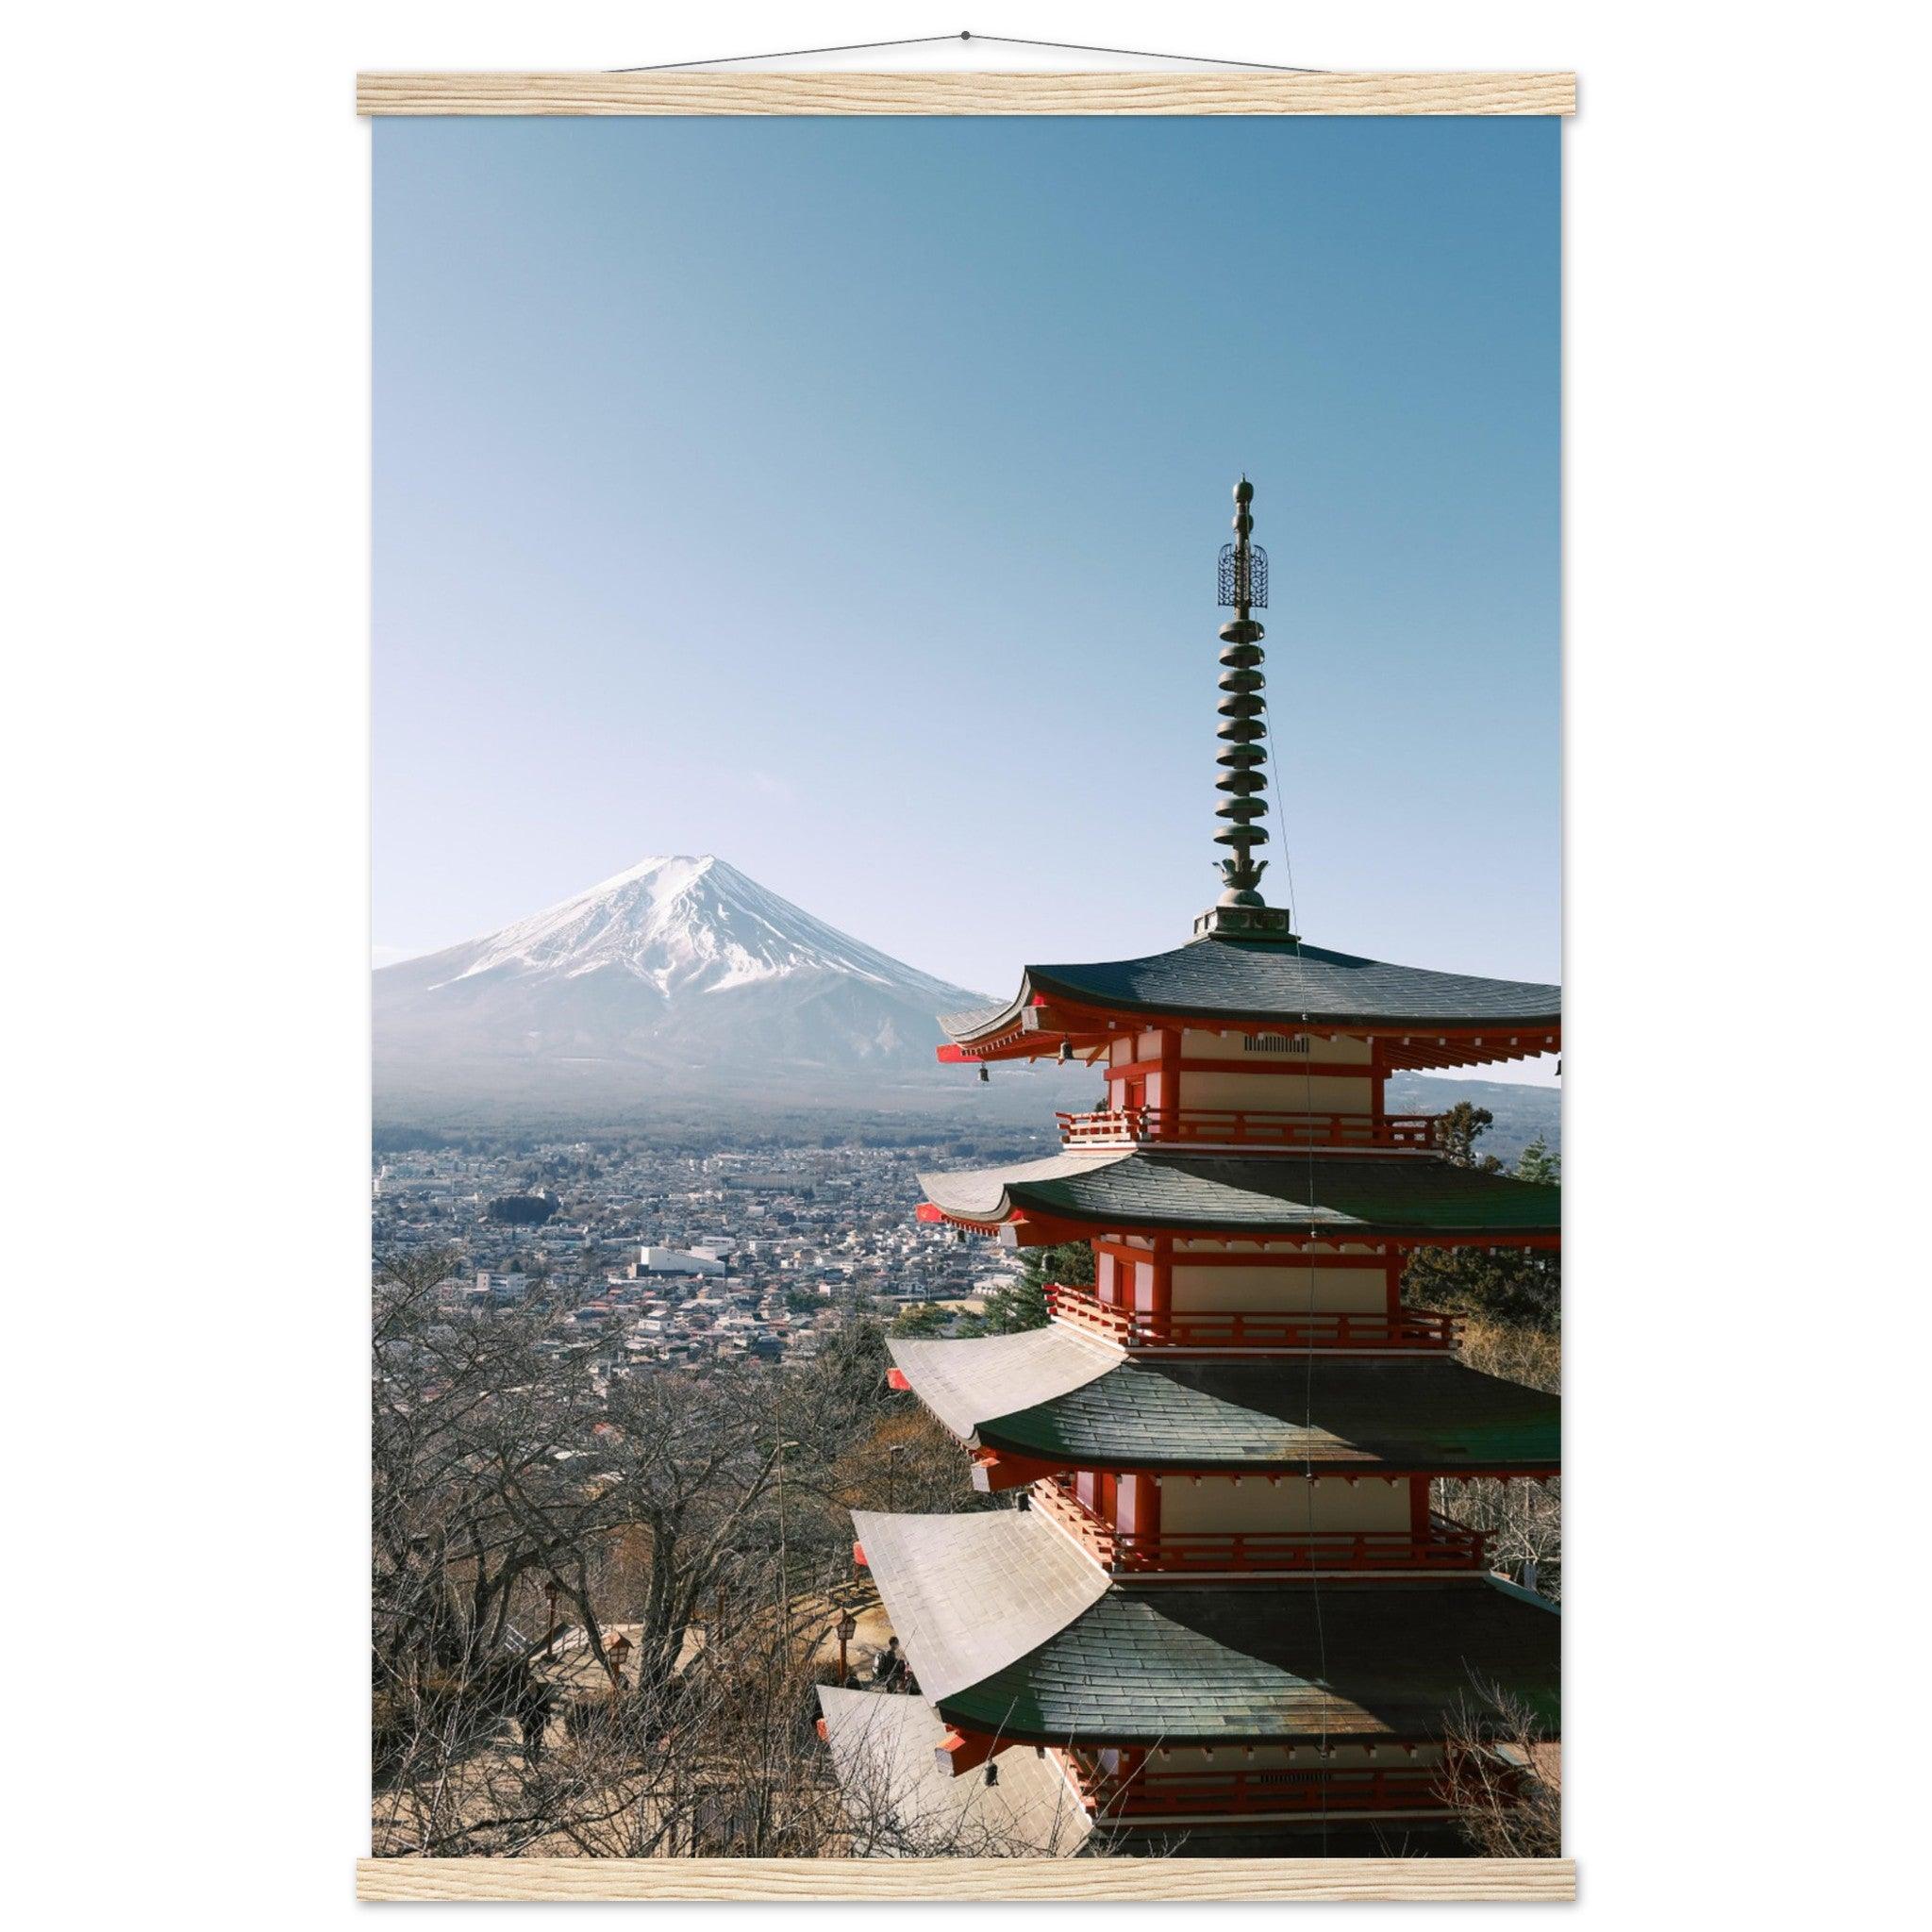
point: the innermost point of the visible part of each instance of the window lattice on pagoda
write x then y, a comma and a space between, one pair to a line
1275, 1043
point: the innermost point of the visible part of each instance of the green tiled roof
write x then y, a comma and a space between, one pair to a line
1263, 982
1348, 1198
1341, 1660
1343, 1413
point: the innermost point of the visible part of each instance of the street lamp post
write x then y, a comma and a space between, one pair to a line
848, 1629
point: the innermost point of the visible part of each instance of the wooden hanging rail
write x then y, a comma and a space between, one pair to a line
687, 93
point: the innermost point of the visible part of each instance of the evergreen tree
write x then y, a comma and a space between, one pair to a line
1537, 1163
1462, 1127
1512, 1285
1010, 1310
924, 1318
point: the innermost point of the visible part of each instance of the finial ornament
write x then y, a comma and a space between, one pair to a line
1242, 912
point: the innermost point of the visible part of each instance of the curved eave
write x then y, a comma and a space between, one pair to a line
963, 1382
967, 1595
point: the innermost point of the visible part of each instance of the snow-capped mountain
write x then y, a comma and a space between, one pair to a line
682, 974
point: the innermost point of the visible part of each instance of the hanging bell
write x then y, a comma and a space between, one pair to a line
1066, 1053
984, 1075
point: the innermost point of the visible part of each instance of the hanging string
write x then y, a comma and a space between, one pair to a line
789, 53
992, 40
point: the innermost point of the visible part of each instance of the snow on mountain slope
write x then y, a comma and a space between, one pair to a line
685, 924
683, 965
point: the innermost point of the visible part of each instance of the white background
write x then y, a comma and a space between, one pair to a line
185, 780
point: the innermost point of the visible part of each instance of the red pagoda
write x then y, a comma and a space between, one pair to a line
1221, 1611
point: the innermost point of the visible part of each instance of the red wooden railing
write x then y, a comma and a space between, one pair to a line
1254, 1328
1148, 1792
1447, 1546
1245, 1127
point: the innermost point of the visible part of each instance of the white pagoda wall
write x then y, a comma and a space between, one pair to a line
1236, 1084
1300, 1286
1330, 1049
1296, 1289
1217, 1504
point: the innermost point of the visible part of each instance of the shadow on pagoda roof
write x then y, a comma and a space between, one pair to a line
1054, 1396
1332, 1661
1010, 1632
1339, 1196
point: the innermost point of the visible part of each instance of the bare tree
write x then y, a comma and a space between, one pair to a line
1504, 1776
600, 1603
688, 1462
1523, 1520
1515, 1351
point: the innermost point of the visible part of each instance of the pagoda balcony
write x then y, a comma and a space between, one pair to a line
1250, 1130
1151, 1794
1446, 1546
1253, 1328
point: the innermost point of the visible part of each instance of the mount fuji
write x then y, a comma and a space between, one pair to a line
680, 977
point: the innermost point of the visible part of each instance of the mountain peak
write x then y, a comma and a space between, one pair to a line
682, 867
681, 924
679, 959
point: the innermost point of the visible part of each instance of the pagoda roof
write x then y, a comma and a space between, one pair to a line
1178, 1665
1263, 983
1344, 1198
901, 1804
969, 1593
1341, 1414
965, 1383
1334, 1660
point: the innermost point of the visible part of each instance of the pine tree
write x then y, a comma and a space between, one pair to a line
1537, 1163
1010, 1310
1460, 1128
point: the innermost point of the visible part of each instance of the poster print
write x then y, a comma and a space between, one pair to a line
991, 1289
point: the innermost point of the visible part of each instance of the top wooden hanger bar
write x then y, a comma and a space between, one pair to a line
686, 92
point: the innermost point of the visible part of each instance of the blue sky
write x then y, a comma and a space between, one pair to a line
843, 497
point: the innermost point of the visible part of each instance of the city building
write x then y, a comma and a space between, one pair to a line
1223, 1610
669, 1261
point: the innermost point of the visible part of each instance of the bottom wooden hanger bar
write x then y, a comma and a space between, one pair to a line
1203, 1880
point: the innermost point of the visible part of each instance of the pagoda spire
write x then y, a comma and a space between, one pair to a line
1242, 912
